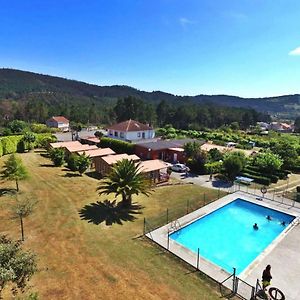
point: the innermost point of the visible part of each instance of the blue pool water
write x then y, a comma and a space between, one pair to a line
226, 236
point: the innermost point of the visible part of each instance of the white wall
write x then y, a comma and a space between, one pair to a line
132, 135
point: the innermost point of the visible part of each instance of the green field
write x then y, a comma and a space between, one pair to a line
78, 259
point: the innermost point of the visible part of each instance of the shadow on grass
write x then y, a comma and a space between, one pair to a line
7, 192
109, 212
70, 175
45, 154
94, 175
47, 165
221, 184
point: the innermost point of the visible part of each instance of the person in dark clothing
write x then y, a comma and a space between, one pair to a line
266, 277
255, 226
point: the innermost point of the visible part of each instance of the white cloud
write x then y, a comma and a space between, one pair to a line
185, 22
295, 51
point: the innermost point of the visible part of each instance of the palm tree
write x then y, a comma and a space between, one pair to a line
125, 179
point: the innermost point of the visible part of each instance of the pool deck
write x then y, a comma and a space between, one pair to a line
282, 254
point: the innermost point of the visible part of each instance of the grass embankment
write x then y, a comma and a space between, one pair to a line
80, 260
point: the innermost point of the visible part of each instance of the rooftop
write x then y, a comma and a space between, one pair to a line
64, 144
59, 119
130, 125
78, 148
112, 159
152, 165
97, 152
167, 144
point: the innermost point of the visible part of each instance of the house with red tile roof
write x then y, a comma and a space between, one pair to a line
59, 122
130, 131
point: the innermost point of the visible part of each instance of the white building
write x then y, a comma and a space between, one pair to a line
59, 122
131, 131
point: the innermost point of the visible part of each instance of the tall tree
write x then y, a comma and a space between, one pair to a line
297, 125
125, 180
22, 209
233, 163
14, 170
268, 162
16, 265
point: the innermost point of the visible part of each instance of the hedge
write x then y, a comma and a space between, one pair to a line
258, 179
14, 143
116, 145
273, 178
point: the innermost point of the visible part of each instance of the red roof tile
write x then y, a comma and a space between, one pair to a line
130, 125
60, 119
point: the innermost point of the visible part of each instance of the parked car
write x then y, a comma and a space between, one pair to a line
180, 168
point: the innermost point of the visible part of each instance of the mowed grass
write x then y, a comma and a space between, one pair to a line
81, 260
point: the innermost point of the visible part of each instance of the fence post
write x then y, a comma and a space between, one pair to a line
233, 284
253, 293
167, 215
168, 244
144, 229
187, 206
198, 257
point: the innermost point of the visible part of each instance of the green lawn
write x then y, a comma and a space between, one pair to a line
81, 260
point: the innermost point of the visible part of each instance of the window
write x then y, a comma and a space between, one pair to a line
110, 132
116, 133
139, 134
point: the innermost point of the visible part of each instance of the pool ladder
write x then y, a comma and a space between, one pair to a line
175, 226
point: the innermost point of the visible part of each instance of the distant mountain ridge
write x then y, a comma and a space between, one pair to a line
17, 85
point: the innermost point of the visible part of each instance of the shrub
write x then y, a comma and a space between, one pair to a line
258, 179
1, 149
57, 156
72, 162
10, 143
116, 145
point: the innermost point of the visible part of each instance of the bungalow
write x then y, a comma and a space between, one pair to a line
167, 150
94, 154
155, 170
104, 164
90, 140
65, 144
78, 148
131, 131
59, 122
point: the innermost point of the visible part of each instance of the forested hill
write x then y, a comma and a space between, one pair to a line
21, 85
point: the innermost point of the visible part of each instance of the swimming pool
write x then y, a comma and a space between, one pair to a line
226, 236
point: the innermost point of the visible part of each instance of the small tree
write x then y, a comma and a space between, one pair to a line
57, 155
22, 209
73, 162
233, 163
29, 138
16, 265
14, 170
83, 163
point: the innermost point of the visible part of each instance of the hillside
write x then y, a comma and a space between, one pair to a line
16, 85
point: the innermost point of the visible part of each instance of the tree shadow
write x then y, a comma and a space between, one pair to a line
47, 165
45, 154
7, 192
70, 175
221, 184
94, 175
109, 212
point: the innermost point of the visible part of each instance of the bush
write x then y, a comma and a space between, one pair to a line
57, 156
44, 139
10, 143
1, 149
116, 145
73, 162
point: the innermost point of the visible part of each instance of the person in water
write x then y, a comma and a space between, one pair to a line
269, 218
266, 277
283, 223
255, 226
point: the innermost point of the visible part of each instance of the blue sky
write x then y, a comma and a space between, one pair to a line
247, 48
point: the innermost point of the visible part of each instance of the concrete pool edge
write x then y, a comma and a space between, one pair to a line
160, 235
